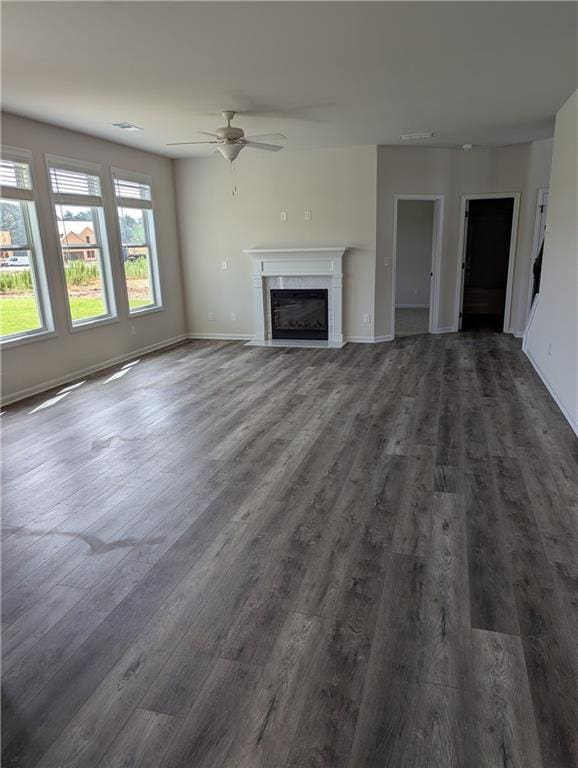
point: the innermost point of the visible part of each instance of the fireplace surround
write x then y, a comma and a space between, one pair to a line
297, 269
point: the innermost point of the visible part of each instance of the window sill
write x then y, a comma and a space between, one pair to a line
145, 311
28, 339
88, 324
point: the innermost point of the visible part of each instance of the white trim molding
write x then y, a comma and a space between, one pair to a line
525, 335
463, 231
436, 254
75, 375
221, 336
298, 268
369, 339
552, 390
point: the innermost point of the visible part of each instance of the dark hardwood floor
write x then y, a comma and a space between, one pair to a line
239, 557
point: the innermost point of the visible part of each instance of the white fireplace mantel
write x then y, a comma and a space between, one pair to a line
298, 268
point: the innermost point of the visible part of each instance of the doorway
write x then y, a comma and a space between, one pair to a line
486, 262
418, 225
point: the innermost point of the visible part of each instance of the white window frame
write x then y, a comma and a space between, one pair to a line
149, 222
26, 198
98, 205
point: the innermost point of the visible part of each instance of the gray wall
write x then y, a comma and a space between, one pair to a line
350, 192
338, 186
32, 364
521, 168
551, 340
415, 220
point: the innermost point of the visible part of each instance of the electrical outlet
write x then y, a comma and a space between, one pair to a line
387, 262
233, 316
224, 265
307, 215
283, 215
366, 319
211, 315
550, 348
133, 330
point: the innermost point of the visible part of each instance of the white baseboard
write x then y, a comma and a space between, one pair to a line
447, 329
222, 336
368, 339
525, 335
552, 390
74, 375
359, 339
412, 306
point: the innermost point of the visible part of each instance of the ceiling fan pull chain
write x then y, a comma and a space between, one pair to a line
233, 182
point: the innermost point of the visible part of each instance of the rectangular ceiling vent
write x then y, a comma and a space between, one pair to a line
127, 127
411, 136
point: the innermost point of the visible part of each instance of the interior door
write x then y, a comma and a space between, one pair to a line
487, 255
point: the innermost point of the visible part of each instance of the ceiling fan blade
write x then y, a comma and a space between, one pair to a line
206, 133
275, 136
258, 145
182, 143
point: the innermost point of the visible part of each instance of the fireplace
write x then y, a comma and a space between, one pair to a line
299, 313
298, 271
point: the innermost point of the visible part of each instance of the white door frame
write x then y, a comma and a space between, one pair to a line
463, 231
437, 234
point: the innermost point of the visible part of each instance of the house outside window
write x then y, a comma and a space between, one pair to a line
79, 210
134, 201
25, 310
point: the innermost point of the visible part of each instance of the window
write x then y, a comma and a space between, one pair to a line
137, 234
24, 306
77, 195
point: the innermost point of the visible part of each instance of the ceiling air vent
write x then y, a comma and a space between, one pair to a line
413, 136
127, 127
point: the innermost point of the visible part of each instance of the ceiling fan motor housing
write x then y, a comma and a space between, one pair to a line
228, 133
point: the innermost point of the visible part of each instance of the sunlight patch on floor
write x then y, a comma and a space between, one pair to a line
72, 386
48, 403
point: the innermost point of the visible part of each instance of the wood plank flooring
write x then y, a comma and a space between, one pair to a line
231, 557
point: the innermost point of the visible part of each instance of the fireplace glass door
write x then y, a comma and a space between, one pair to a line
299, 314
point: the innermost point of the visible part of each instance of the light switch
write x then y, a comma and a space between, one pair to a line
307, 215
224, 265
366, 319
283, 215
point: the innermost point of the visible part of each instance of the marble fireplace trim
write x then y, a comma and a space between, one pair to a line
297, 268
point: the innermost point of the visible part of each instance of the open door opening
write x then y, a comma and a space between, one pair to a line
414, 265
486, 263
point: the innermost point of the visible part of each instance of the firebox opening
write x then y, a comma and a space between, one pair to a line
299, 314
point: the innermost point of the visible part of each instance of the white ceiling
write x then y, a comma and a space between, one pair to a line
325, 74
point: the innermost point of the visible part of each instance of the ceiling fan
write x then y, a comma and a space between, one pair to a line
229, 141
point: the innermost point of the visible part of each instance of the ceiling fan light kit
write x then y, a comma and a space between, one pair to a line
230, 151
